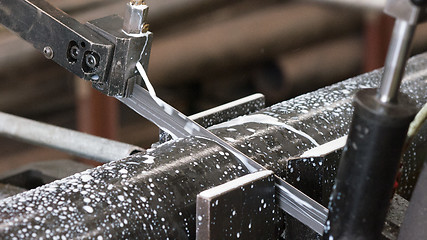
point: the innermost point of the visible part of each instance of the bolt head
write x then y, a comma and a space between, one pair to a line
48, 52
91, 61
74, 52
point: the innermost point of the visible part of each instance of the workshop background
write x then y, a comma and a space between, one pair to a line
204, 53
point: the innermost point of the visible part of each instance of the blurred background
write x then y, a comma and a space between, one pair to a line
204, 53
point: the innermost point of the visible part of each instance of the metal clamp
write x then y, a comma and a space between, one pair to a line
104, 51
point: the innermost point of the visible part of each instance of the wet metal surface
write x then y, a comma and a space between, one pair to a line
7, 190
40, 173
153, 194
243, 208
224, 113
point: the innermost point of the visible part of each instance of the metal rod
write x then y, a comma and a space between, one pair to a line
394, 68
300, 206
368, 4
73, 142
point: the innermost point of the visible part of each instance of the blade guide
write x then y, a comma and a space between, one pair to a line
290, 199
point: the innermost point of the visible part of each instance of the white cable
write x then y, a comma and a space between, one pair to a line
418, 121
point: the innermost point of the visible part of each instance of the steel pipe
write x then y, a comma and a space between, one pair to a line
153, 195
73, 142
368, 4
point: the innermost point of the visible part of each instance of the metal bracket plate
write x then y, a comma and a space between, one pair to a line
243, 208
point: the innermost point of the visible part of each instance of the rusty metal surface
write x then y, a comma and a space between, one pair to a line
153, 195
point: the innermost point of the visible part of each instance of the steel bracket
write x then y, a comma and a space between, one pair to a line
242, 208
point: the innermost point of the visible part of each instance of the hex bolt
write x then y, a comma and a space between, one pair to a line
48, 52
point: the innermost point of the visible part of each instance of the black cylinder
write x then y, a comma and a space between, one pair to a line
368, 167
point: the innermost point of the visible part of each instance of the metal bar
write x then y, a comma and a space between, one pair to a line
369, 4
228, 111
242, 198
73, 142
397, 55
296, 203
142, 103
177, 124
224, 112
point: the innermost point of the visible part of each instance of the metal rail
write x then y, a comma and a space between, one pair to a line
73, 142
369, 4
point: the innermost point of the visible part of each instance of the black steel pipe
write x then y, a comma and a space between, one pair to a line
368, 167
154, 195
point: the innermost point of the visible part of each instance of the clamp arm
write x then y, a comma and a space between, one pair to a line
99, 51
